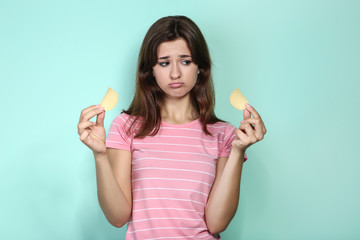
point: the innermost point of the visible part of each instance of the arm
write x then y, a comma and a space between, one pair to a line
224, 196
113, 176
113, 168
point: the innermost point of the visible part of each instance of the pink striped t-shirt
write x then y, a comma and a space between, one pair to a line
172, 175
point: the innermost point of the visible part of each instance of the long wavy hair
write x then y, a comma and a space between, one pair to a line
149, 97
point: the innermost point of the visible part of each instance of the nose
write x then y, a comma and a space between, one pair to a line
175, 72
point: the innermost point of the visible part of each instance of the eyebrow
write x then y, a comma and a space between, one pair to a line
181, 56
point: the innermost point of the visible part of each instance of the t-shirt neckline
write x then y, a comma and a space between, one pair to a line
165, 124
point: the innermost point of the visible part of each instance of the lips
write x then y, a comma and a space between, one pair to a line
176, 84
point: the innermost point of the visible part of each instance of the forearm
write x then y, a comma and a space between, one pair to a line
223, 201
111, 198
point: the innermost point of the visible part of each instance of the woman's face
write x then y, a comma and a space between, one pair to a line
175, 72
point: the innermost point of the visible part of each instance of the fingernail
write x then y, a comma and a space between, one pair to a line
242, 121
101, 108
247, 105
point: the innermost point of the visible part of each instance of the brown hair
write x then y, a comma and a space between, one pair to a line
148, 99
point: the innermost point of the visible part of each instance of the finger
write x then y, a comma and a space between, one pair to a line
249, 131
84, 135
258, 127
92, 113
241, 134
88, 109
250, 121
246, 114
255, 114
100, 119
84, 125
252, 111
263, 127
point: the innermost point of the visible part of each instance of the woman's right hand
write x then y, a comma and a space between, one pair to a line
92, 134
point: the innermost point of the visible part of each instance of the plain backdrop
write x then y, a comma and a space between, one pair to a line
297, 62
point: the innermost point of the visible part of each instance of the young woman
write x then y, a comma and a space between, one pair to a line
169, 167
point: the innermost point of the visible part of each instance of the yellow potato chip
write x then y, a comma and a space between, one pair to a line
110, 100
238, 100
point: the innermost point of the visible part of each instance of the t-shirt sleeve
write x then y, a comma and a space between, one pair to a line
229, 136
117, 137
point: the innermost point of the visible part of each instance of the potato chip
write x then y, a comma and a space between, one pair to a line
238, 100
110, 99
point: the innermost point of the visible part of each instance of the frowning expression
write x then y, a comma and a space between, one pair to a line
175, 72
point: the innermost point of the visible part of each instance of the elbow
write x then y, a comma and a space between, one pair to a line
216, 228
118, 224
119, 221
218, 220
216, 225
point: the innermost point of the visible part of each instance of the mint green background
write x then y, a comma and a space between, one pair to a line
298, 63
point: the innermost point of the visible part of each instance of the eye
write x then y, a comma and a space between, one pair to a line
163, 64
186, 62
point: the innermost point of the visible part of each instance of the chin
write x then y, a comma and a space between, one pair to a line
179, 95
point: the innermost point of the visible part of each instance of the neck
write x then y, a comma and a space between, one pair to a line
178, 111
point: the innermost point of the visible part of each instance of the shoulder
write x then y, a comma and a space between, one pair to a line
221, 127
224, 133
119, 136
124, 119
125, 122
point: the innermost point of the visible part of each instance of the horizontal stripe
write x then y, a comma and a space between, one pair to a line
120, 143
203, 154
176, 209
172, 169
173, 160
168, 237
171, 179
176, 128
115, 142
205, 235
173, 136
173, 144
220, 126
174, 199
191, 129
117, 124
165, 218
170, 189
111, 132
166, 228
116, 133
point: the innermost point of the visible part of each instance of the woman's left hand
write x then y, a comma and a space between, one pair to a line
250, 131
